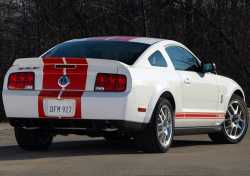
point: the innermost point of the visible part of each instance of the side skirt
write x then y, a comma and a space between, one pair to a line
197, 130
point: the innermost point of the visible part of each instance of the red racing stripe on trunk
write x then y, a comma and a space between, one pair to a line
50, 88
78, 78
50, 79
45, 94
51, 74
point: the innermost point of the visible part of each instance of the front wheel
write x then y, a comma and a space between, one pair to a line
33, 139
235, 125
158, 135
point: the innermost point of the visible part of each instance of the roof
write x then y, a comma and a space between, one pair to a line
145, 40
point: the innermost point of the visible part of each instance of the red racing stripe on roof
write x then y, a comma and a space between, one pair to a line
123, 38
113, 38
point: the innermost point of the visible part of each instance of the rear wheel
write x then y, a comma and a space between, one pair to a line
236, 122
33, 139
158, 135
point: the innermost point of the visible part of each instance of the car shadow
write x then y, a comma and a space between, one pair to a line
82, 148
187, 143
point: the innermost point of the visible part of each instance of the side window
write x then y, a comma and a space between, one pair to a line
156, 59
182, 59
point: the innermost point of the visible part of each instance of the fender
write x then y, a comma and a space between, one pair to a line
159, 91
229, 91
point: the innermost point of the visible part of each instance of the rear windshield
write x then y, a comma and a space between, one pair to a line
126, 52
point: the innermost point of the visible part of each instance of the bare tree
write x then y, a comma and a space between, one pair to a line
213, 29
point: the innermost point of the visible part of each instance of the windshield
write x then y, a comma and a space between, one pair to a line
126, 52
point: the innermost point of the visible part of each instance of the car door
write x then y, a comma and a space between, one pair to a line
199, 90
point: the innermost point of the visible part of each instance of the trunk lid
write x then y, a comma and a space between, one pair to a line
77, 74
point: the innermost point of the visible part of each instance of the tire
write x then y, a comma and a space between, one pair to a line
35, 139
150, 138
234, 123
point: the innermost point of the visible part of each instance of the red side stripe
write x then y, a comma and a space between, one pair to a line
199, 115
180, 115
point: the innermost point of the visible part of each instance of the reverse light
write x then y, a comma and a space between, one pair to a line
108, 82
21, 81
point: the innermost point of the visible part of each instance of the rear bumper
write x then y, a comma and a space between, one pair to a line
94, 106
77, 125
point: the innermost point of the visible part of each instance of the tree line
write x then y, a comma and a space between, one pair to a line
215, 30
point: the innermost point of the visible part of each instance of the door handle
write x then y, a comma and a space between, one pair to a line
187, 81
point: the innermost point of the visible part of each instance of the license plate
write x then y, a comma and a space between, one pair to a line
59, 108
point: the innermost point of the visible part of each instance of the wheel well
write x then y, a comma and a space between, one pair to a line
239, 93
170, 97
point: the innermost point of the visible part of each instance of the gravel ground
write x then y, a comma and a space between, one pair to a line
74, 155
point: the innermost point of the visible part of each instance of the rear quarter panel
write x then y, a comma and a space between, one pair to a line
16, 102
148, 84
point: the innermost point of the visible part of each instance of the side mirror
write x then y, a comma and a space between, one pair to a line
209, 67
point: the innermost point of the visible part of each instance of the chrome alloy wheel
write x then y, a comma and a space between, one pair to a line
235, 122
164, 126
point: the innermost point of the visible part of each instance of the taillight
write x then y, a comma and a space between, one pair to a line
21, 81
108, 82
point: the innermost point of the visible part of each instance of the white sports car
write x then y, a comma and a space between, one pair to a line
124, 89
